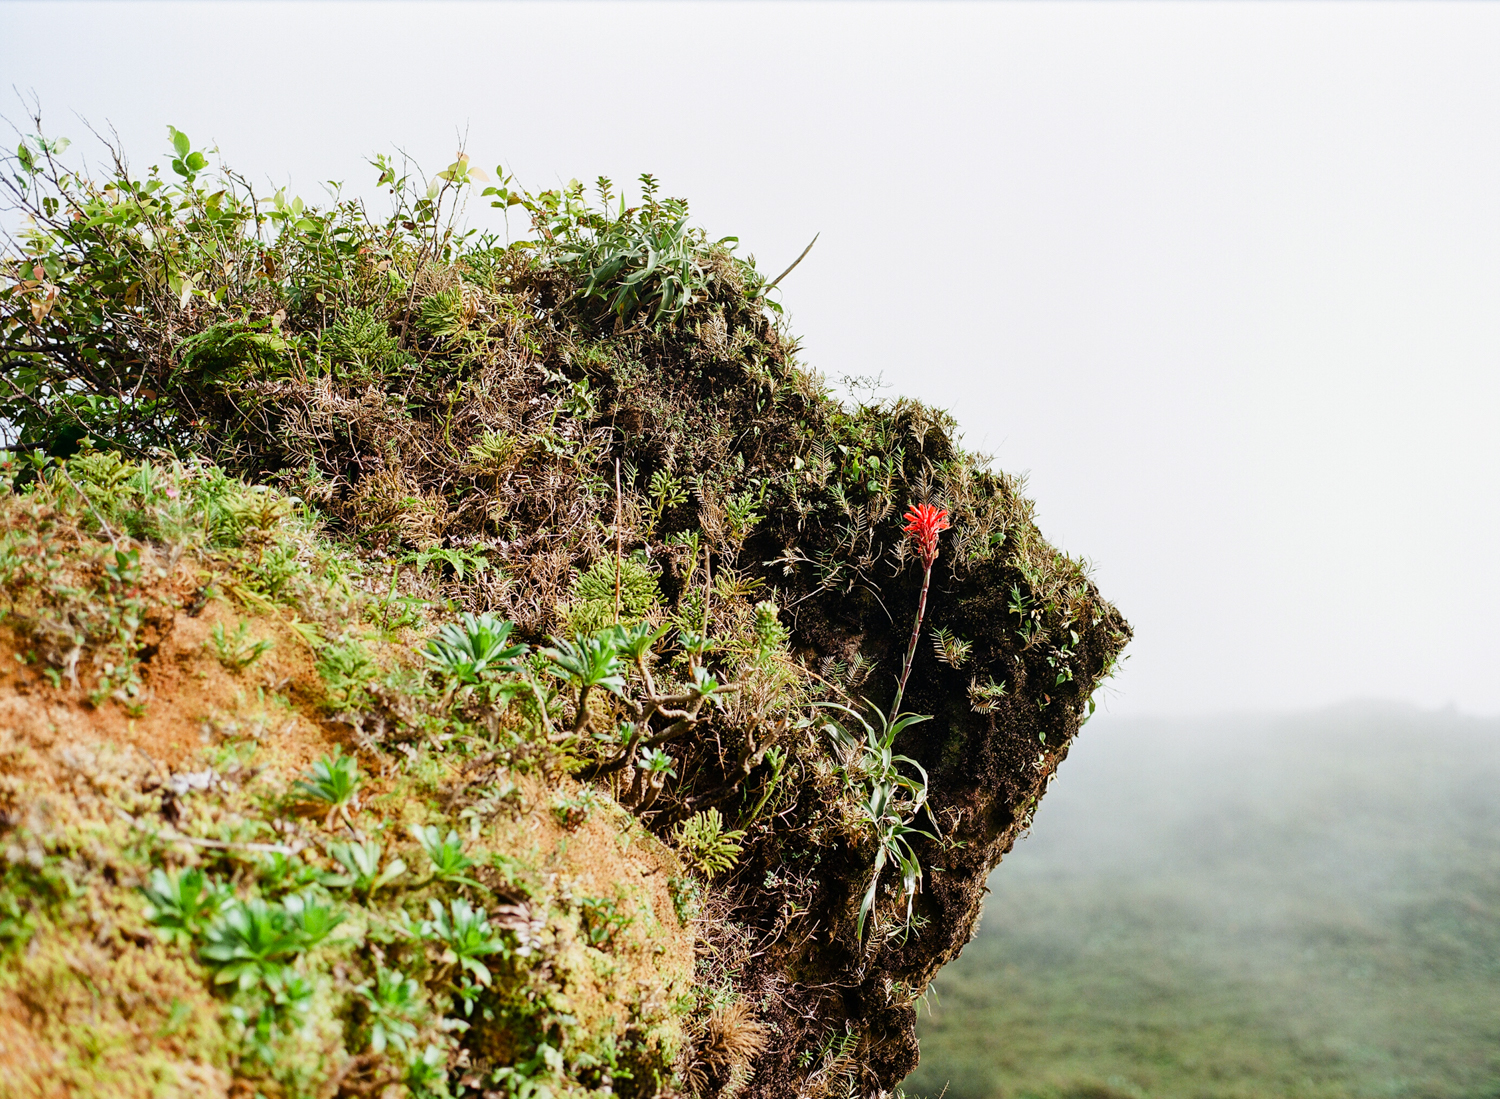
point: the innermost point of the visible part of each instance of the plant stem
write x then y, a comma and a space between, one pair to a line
708, 587
617, 542
911, 648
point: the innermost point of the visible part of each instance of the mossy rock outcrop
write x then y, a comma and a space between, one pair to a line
600, 434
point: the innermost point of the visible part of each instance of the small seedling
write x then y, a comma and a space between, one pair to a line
256, 512
687, 897
468, 935
361, 863
445, 854
238, 651
346, 668
279, 872
776, 758
666, 492
741, 513
601, 919
181, 905
949, 648
332, 781
572, 811
124, 568
653, 768
984, 698
393, 1004
459, 560
654, 761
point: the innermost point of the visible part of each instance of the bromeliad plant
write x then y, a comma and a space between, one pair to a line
889, 800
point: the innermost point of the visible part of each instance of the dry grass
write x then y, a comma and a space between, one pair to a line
724, 1052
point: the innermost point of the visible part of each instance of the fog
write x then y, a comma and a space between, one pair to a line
1305, 905
1359, 793
1221, 277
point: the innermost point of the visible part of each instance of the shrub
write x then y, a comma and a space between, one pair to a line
462, 651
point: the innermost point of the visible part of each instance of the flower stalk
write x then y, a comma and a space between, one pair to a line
924, 523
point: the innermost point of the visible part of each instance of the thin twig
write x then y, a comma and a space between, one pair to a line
173, 836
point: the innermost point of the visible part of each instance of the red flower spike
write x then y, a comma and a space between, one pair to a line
924, 522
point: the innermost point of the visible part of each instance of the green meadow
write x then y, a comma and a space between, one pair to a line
1303, 906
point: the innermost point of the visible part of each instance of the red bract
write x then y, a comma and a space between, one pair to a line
924, 522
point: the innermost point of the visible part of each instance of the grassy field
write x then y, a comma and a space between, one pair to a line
1236, 908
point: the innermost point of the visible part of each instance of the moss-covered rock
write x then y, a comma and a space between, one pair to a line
604, 438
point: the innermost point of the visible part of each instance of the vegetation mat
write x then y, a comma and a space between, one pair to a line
439, 664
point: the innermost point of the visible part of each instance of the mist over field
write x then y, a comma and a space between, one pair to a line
1300, 906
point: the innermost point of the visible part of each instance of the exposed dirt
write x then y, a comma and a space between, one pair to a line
151, 1021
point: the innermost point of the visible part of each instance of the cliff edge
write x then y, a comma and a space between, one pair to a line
444, 666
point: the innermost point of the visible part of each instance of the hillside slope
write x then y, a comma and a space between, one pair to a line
1300, 905
603, 543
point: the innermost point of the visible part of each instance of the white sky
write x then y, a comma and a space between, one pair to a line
1222, 278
